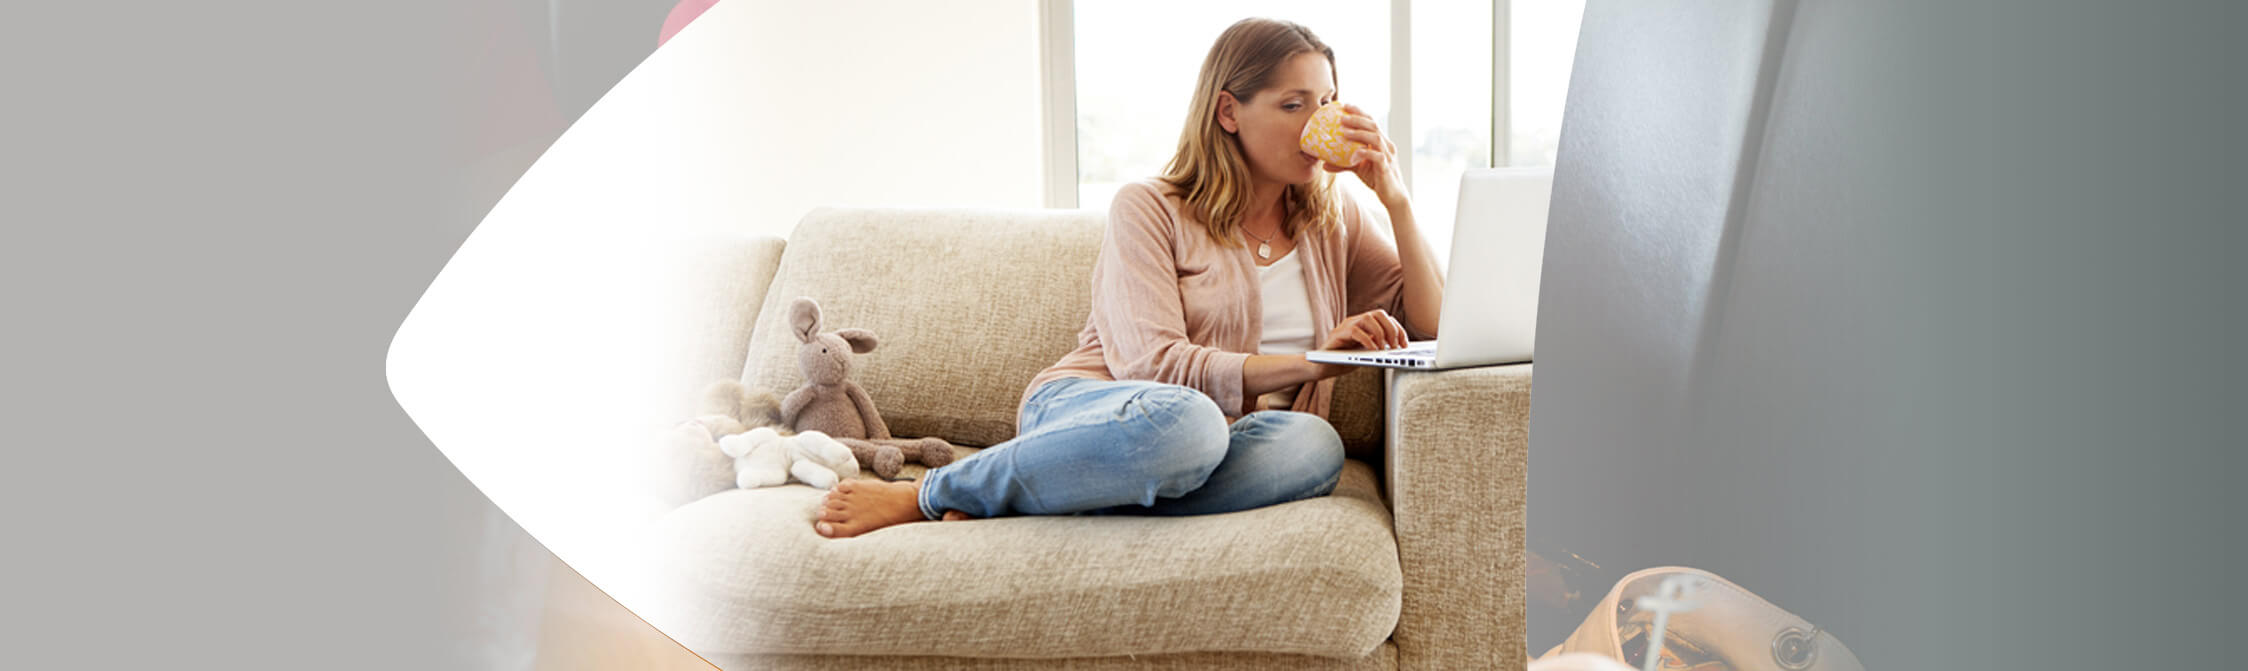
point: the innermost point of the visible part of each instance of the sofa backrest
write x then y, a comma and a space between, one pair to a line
967, 306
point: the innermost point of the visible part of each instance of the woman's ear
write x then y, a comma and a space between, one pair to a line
1226, 106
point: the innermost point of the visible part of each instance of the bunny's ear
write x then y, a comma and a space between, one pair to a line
862, 340
804, 318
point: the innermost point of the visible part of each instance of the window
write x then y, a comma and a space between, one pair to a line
1451, 93
1134, 66
1137, 62
1541, 42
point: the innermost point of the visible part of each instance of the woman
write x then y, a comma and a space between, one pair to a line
1189, 392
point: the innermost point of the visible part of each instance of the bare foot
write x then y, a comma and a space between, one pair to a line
855, 507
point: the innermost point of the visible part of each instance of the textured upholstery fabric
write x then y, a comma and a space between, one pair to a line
1357, 411
721, 284
967, 305
1457, 481
1383, 659
1314, 577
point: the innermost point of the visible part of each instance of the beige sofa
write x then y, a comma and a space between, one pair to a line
1414, 562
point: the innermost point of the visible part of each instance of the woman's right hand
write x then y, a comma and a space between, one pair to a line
1372, 329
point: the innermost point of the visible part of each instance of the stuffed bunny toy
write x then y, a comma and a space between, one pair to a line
763, 458
830, 403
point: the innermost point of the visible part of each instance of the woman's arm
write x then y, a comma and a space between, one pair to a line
1424, 286
1400, 278
1267, 373
1263, 373
1376, 270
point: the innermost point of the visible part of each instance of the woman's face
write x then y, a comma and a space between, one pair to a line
1269, 124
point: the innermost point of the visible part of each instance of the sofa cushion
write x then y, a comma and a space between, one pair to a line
968, 305
1383, 659
1313, 577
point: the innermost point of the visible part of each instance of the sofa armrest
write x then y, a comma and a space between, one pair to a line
717, 283
1457, 461
709, 290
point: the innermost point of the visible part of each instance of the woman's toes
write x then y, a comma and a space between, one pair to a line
824, 529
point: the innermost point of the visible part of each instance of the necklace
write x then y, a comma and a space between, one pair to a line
1264, 250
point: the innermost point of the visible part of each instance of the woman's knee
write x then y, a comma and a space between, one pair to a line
1303, 447
1176, 404
1189, 431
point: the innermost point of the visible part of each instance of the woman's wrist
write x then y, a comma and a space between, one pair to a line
1394, 199
1318, 371
1399, 203
1265, 373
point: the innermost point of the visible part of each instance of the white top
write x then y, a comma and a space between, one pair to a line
1287, 320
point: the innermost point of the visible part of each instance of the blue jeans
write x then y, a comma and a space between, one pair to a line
1134, 447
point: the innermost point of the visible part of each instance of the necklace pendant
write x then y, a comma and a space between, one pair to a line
1264, 251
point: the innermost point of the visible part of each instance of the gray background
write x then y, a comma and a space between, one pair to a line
217, 213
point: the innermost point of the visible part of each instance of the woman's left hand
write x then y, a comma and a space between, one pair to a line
1377, 161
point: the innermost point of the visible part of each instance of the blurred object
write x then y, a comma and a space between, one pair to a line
682, 14
1560, 591
513, 112
1577, 661
1727, 629
1545, 584
1676, 594
1560, 583
1676, 655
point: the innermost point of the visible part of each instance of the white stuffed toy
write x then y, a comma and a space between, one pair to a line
763, 458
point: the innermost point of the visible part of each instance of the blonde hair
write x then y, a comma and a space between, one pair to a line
1209, 169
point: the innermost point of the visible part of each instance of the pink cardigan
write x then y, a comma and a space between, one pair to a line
1171, 305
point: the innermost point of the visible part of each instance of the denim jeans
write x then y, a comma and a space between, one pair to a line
1134, 447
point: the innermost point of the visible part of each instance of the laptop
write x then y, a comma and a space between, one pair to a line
1491, 284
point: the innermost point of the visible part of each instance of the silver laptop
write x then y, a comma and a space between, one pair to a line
1490, 286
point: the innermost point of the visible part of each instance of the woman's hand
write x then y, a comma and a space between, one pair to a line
1372, 329
1377, 163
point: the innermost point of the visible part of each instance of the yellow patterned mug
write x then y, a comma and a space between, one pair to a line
1323, 137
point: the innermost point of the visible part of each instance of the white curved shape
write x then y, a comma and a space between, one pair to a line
537, 360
